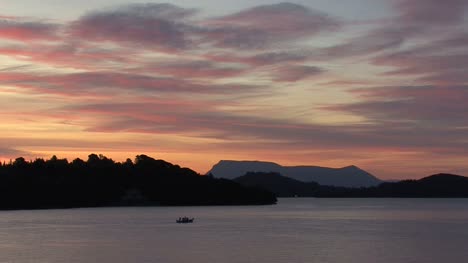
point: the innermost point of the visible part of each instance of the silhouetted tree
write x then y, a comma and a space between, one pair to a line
20, 162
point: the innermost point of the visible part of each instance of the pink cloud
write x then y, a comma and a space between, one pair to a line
76, 55
106, 84
15, 29
199, 120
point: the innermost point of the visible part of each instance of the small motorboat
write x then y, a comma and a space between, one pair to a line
184, 220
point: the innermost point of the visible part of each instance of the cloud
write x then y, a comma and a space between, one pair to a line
267, 25
231, 132
8, 152
170, 28
259, 59
193, 69
74, 55
456, 41
148, 25
432, 12
26, 31
436, 68
415, 19
428, 106
175, 30
440, 62
293, 73
371, 42
453, 77
278, 57
108, 83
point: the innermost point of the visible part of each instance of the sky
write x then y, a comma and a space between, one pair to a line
380, 84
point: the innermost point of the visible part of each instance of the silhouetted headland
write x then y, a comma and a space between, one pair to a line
439, 185
100, 181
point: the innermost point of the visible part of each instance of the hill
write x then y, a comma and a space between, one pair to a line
99, 181
439, 185
350, 176
280, 185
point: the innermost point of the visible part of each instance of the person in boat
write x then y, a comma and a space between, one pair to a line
185, 220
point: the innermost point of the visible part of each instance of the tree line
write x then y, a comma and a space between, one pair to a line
100, 181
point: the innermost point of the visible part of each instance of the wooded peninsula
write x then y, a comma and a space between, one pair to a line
100, 181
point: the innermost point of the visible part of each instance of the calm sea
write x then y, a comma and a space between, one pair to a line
295, 230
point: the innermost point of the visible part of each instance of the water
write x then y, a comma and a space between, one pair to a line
295, 230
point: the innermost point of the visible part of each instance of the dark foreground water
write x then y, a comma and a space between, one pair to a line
295, 230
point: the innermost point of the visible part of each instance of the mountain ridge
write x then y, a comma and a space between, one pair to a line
347, 176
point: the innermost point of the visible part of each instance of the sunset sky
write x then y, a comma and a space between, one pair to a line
381, 84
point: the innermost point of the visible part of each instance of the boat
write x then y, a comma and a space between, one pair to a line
184, 220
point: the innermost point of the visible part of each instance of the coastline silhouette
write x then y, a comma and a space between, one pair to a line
100, 181
434, 186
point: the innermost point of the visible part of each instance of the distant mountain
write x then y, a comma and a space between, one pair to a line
350, 176
232, 169
439, 185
